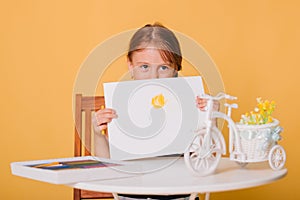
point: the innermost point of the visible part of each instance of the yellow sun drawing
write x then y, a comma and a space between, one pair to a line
158, 101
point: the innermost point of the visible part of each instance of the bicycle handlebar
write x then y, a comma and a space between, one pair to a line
219, 97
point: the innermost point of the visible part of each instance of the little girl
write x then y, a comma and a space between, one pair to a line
154, 52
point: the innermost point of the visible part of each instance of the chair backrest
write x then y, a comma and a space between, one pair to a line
85, 106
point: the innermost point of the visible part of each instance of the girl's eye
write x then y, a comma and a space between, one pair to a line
144, 67
164, 67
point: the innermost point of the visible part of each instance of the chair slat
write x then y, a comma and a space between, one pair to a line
86, 105
88, 133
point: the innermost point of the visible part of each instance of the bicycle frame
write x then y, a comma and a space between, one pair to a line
213, 115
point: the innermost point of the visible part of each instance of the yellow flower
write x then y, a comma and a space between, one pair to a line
270, 119
261, 114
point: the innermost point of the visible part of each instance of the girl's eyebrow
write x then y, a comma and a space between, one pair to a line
142, 63
165, 64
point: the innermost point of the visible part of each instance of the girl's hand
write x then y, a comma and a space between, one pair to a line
202, 103
102, 117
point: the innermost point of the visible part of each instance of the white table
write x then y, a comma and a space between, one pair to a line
170, 176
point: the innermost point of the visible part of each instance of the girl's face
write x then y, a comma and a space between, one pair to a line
148, 64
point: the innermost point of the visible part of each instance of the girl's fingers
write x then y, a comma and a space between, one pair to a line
104, 120
103, 127
106, 111
202, 103
105, 116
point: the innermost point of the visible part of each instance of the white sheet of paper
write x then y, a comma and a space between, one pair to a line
143, 130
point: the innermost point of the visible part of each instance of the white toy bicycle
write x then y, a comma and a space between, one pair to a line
247, 143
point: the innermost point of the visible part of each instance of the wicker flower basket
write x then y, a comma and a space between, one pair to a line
256, 141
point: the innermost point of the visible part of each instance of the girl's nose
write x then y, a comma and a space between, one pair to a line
154, 73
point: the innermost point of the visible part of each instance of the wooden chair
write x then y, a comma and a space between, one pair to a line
84, 107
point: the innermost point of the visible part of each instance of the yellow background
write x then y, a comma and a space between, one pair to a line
255, 45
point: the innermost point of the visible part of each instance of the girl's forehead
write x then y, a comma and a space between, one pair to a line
149, 55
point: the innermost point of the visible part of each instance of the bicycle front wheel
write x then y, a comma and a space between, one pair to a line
204, 154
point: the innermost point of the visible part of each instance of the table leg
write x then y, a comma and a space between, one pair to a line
116, 197
193, 196
207, 195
